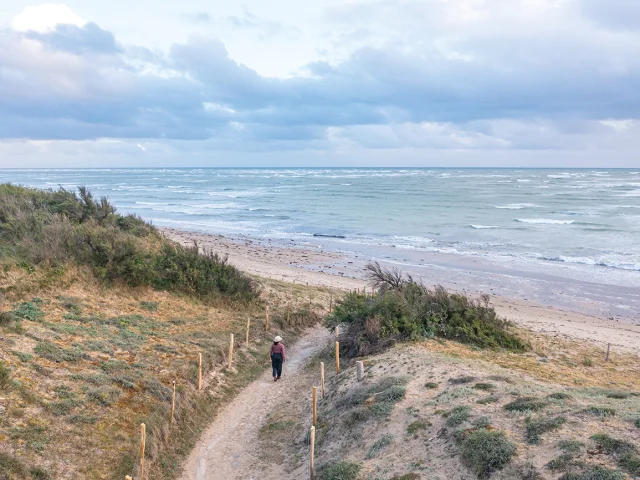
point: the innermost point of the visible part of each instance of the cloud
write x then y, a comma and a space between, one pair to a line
45, 18
459, 75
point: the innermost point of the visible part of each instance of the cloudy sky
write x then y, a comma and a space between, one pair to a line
329, 82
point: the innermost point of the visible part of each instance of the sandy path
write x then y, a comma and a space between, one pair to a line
228, 448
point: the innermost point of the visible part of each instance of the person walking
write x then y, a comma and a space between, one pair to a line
278, 357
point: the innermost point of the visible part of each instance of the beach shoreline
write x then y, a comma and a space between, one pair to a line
294, 262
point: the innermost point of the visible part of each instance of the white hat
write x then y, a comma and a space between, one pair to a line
277, 339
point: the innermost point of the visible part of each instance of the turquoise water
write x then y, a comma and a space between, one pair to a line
576, 226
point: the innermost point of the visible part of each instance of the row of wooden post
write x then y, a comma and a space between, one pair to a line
143, 433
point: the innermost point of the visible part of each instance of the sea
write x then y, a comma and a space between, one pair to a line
565, 237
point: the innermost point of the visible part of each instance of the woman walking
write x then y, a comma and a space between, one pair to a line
277, 357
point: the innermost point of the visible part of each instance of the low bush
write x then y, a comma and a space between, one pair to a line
595, 473
431, 385
29, 311
52, 228
570, 446
488, 400
461, 380
458, 415
612, 445
418, 425
525, 404
378, 446
484, 386
600, 411
338, 470
403, 309
630, 463
559, 396
534, 427
484, 452
51, 351
5, 377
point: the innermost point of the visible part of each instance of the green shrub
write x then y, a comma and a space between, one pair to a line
7, 318
637, 423
461, 380
630, 462
103, 396
612, 445
402, 309
618, 395
379, 445
484, 386
484, 452
51, 351
562, 463
29, 311
415, 427
570, 446
458, 415
559, 396
5, 377
10, 465
338, 470
594, 473
489, 399
535, 427
431, 385
150, 306
57, 227
481, 422
600, 411
525, 404
112, 366
38, 473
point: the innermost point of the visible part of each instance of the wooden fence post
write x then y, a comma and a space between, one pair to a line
143, 441
312, 441
315, 405
266, 322
231, 351
199, 371
322, 378
337, 357
608, 348
128, 478
359, 370
337, 332
288, 311
173, 401
246, 339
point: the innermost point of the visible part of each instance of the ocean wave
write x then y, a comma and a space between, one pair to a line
483, 227
592, 261
548, 221
516, 206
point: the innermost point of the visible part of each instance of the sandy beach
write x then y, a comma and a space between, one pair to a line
319, 267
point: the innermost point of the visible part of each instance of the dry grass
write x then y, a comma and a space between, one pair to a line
101, 361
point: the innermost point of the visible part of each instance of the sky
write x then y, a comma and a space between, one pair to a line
524, 83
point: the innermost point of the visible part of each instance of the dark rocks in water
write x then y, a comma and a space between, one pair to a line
328, 236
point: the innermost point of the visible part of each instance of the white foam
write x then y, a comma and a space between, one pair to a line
549, 221
516, 206
483, 227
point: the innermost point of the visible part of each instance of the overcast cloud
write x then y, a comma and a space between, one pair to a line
390, 82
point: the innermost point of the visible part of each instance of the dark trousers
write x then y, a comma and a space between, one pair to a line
276, 364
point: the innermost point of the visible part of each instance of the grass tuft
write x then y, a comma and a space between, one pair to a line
485, 452
488, 400
338, 470
525, 404
458, 415
535, 427
379, 445
602, 412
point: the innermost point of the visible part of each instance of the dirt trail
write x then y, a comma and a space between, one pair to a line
227, 450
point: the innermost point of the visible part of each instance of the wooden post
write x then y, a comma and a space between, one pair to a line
312, 441
359, 370
608, 348
173, 401
143, 441
128, 478
288, 311
337, 332
315, 405
231, 351
246, 338
199, 371
337, 357
322, 378
266, 322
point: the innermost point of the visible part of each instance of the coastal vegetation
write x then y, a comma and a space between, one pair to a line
401, 308
99, 314
53, 230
